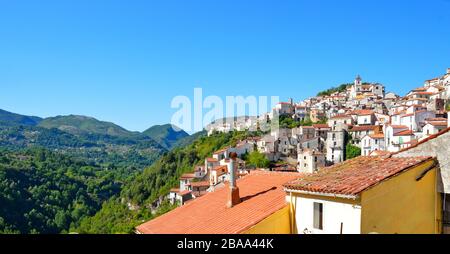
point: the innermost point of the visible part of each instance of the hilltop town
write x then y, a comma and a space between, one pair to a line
309, 155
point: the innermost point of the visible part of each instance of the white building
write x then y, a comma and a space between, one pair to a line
310, 161
370, 143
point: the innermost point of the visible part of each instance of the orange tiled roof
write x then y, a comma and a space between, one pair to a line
439, 124
261, 192
404, 133
399, 126
187, 176
363, 112
442, 132
321, 126
339, 116
377, 136
353, 176
363, 128
200, 184
211, 160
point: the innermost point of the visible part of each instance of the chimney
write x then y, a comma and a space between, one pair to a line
448, 70
233, 194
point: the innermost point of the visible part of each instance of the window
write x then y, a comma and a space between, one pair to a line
318, 215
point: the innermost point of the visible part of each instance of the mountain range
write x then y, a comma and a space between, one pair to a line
89, 138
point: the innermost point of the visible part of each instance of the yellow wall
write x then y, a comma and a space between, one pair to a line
277, 223
403, 205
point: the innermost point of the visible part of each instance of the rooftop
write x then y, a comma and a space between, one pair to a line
353, 176
261, 192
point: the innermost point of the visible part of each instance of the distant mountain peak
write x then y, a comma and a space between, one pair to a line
166, 135
12, 119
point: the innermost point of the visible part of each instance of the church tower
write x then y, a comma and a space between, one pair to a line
358, 82
356, 88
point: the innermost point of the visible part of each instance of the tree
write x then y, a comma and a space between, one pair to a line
258, 160
352, 151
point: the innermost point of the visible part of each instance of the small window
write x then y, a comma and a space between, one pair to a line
318, 215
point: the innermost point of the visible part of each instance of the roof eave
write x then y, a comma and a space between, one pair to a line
334, 195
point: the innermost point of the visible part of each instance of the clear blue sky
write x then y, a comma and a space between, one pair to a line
124, 61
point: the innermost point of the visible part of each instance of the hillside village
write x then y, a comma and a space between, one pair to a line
309, 164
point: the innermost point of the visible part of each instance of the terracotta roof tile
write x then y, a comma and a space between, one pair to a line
363, 128
200, 184
404, 133
262, 195
187, 176
321, 126
442, 132
353, 176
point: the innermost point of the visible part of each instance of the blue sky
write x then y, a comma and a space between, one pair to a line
124, 61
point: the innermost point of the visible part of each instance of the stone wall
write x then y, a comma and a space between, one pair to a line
437, 147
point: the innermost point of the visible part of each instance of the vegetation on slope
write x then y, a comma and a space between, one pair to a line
145, 189
12, 119
332, 90
165, 135
45, 192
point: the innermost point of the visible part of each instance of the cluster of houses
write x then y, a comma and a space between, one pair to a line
363, 114
400, 184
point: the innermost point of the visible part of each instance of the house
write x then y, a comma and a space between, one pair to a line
210, 163
433, 127
370, 143
321, 130
364, 117
317, 143
335, 146
179, 197
317, 114
199, 188
284, 108
185, 181
368, 195
437, 145
400, 139
358, 132
218, 175
310, 161
392, 141
336, 122
301, 113
303, 132
259, 206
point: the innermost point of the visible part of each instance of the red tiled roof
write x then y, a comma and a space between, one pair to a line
221, 150
363, 112
200, 184
187, 176
261, 193
425, 140
440, 124
321, 126
399, 126
437, 119
404, 133
353, 176
221, 170
184, 193
363, 128
211, 160
339, 116
377, 136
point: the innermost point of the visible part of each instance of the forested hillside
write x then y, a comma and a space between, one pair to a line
154, 182
45, 192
